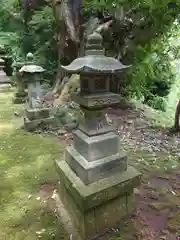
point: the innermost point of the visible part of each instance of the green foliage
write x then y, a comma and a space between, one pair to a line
43, 43
11, 26
152, 75
37, 38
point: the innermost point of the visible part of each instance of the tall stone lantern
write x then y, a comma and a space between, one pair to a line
36, 114
96, 183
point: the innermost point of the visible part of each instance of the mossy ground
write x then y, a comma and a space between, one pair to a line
26, 165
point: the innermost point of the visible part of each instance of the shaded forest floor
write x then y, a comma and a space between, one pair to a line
28, 179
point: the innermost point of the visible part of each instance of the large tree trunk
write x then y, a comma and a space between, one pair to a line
66, 14
177, 117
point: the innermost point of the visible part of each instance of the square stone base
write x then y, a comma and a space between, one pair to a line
98, 206
32, 125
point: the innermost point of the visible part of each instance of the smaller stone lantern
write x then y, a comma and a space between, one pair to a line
21, 94
36, 115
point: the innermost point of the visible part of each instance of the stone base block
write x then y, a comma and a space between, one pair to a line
90, 172
19, 100
94, 208
32, 125
96, 147
37, 113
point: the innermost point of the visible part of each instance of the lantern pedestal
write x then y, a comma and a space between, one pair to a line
98, 206
36, 118
96, 183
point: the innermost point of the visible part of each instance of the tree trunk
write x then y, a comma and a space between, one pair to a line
177, 117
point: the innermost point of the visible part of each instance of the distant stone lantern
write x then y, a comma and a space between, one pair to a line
96, 182
36, 113
3, 77
2, 66
21, 94
5, 58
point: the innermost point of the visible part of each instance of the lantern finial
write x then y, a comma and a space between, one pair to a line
29, 57
94, 44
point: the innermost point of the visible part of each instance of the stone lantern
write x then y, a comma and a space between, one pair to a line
6, 59
3, 77
21, 94
96, 183
36, 114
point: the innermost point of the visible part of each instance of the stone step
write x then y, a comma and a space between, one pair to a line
37, 113
90, 172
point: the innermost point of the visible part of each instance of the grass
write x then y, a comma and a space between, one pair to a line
26, 164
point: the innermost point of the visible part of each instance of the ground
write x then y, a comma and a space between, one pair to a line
28, 179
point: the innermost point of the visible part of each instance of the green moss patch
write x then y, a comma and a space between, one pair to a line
173, 223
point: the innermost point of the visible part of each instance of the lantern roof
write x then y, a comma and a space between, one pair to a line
30, 67
95, 59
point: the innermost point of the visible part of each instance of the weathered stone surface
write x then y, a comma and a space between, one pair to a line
96, 100
97, 206
109, 214
35, 124
21, 94
92, 195
97, 147
37, 113
94, 122
19, 99
88, 127
85, 224
90, 172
